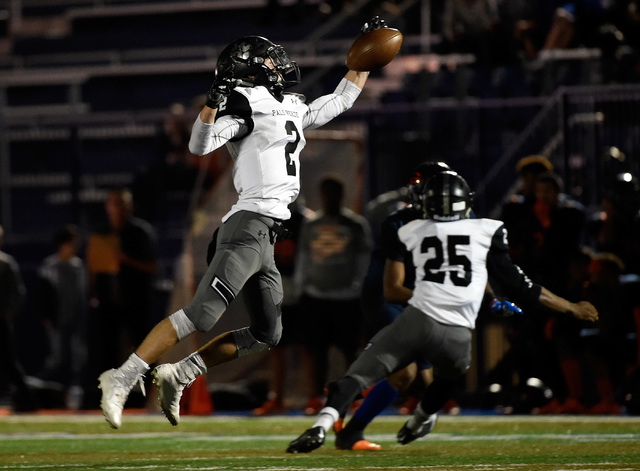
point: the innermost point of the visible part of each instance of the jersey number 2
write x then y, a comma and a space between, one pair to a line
291, 147
432, 266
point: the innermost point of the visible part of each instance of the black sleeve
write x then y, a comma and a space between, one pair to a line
238, 106
509, 276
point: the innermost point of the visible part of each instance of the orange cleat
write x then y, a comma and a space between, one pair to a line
354, 441
365, 445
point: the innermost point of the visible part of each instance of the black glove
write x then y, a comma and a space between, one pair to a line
220, 89
374, 23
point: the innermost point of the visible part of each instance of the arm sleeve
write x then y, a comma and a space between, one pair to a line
510, 277
206, 138
325, 108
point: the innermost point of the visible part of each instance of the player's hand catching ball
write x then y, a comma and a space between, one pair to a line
375, 47
374, 23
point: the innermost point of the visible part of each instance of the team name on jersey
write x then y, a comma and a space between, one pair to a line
284, 113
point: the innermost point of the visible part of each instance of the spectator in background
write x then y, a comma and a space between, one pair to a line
612, 347
293, 317
121, 259
558, 24
560, 222
517, 211
62, 300
332, 260
12, 298
545, 227
595, 359
558, 228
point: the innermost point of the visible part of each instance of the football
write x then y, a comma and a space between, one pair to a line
374, 49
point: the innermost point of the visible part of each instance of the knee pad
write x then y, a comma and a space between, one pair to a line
247, 343
182, 324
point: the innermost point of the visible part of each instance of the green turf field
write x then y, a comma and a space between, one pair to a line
227, 442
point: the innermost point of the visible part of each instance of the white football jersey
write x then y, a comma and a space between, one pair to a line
264, 136
266, 173
451, 272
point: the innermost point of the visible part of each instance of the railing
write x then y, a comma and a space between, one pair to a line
575, 129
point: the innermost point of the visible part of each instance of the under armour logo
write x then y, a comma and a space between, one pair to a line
262, 234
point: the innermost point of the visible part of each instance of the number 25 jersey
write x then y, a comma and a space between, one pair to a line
453, 260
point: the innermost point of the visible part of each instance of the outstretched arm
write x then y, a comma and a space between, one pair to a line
357, 78
582, 310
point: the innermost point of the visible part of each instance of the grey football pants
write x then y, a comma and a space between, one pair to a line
243, 259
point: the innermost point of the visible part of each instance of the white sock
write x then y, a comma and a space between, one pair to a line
134, 366
192, 367
326, 418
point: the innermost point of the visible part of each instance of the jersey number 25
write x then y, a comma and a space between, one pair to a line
433, 266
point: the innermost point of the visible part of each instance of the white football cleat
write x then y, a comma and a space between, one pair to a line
115, 391
170, 386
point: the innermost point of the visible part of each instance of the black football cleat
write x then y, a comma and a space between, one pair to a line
310, 440
406, 435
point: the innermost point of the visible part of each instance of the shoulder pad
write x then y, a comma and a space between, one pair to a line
236, 104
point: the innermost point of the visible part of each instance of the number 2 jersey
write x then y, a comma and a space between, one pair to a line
453, 261
264, 136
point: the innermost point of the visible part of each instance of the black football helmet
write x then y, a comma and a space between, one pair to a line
245, 60
447, 197
421, 174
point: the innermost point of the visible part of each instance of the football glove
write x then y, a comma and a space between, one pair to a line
504, 308
220, 89
374, 23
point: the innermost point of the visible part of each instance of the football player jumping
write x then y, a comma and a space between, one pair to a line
453, 256
263, 128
